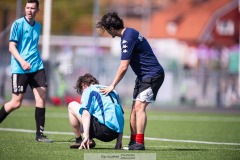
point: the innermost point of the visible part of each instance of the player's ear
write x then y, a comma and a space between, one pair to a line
111, 29
84, 86
37, 9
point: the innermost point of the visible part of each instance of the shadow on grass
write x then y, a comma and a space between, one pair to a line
63, 141
107, 149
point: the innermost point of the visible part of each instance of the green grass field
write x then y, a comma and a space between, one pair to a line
169, 135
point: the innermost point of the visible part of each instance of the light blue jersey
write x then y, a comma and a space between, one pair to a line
106, 108
26, 36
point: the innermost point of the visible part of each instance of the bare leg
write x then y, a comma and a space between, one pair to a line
40, 96
141, 116
75, 119
14, 103
133, 120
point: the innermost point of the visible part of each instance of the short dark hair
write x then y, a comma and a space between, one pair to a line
110, 20
33, 1
86, 79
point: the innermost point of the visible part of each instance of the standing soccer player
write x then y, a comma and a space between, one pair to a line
27, 67
137, 53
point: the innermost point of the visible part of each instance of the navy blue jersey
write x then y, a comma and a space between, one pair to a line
142, 59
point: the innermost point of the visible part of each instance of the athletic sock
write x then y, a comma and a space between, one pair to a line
40, 120
140, 138
133, 137
3, 114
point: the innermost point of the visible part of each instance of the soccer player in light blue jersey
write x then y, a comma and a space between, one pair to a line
97, 116
27, 67
137, 53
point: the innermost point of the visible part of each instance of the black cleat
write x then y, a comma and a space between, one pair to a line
43, 138
136, 146
131, 143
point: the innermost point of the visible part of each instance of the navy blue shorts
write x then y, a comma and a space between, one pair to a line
147, 89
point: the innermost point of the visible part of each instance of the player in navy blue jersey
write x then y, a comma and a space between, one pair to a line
137, 53
97, 116
27, 67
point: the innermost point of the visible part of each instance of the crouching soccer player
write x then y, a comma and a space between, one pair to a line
98, 116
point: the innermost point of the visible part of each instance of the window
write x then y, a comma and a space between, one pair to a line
171, 28
225, 27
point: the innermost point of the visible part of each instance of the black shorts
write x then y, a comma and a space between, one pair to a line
147, 89
34, 80
100, 131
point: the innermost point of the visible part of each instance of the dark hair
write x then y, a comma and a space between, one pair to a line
86, 79
33, 1
110, 20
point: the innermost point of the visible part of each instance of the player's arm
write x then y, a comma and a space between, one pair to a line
13, 50
119, 142
122, 69
86, 117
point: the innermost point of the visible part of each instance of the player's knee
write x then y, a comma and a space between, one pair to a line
40, 103
72, 104
16, 105
73, 107
40, 100
139, 108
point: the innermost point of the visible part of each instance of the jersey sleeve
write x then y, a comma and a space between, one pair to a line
127, 46
85, 101
15, 32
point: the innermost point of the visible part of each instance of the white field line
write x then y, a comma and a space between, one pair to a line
155, 117
163, 147
146, 138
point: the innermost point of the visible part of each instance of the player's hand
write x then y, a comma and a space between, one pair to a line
85, 144
107, 90
25, 65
